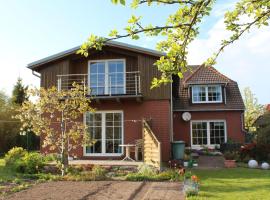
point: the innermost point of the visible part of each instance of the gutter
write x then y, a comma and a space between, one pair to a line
36, 74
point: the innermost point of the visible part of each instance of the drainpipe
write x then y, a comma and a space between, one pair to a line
171, 113
35, 74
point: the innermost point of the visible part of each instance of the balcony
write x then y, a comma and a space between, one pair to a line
104, 85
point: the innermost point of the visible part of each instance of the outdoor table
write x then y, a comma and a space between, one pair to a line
127, 146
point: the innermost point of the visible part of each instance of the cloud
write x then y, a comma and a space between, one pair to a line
245, 61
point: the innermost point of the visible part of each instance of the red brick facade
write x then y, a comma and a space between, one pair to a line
233, 124
133, 113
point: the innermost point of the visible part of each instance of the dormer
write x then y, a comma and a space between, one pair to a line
204, 88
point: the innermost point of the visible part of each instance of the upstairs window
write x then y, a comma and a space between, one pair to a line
206, 94
107, 77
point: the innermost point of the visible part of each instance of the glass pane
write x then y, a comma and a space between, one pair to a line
214, 93
97, 78
199, 93
109, 133
117, 133
117, 149
217, 132
199, 133
93, 68
109, 146
116, 77
112, 67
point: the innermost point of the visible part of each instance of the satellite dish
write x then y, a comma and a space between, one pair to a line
186, 116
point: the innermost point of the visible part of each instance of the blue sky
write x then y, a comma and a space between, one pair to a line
33, 29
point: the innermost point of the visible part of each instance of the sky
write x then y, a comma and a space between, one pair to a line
34, 29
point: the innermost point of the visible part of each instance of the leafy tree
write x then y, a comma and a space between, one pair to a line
19, 93
253, 109
26, 139
9, 128
181, 28
55, 115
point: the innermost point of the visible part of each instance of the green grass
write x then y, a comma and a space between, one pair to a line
233, 184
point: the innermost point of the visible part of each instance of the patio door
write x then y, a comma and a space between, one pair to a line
106, 129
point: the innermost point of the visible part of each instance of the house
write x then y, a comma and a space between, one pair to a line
205, 108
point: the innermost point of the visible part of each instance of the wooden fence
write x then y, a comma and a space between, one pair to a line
151, 146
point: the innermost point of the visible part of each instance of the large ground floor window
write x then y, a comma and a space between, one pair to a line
208, 133
106, 129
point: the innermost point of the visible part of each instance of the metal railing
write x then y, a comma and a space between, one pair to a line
103, 84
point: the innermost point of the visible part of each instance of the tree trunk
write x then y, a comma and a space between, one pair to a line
64, 161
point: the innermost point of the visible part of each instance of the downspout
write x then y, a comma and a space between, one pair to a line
171, 113
35, 74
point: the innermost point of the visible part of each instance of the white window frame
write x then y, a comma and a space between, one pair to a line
208, 133
103, 135
206, 94
106, 61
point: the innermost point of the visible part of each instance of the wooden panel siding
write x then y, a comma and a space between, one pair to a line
148, 72
77, 64
80, 65
48, 73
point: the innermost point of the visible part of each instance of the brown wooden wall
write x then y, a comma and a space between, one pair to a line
49, 72
76, 64
148, 72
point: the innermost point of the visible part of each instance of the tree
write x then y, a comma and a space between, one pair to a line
9, 128
19, 93
253, 109
181, 28
55, 115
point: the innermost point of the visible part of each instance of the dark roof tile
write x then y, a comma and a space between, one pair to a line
205, 75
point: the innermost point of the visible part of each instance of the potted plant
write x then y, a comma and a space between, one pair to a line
229, 159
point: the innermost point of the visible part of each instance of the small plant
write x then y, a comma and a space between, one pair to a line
98, 172
228, 155
147, 170
13, 155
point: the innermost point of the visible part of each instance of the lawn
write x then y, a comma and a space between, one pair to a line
230, 184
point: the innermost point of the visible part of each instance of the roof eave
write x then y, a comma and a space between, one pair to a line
68, 52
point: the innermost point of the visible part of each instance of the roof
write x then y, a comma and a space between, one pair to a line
71, 51
205, 75
201, 74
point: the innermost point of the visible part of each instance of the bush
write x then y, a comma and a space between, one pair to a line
19, 160
14, 155
230, 146
32, 163
228, 155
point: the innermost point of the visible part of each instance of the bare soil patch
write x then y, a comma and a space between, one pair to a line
101, 190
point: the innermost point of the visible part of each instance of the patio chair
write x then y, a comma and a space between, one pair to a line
138, 148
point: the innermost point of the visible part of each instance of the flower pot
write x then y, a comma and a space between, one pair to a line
230, 163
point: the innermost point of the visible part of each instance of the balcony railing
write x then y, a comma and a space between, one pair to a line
106, 84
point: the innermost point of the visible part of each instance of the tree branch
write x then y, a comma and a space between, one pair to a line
169, 2
248, 26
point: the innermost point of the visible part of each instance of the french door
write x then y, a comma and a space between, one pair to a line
106, 129
107, 77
